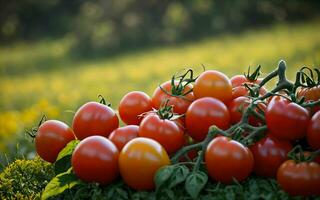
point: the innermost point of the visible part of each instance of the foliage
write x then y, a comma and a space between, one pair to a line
25, 179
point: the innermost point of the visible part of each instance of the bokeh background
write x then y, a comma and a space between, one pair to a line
56, 55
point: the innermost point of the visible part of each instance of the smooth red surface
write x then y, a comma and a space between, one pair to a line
313, 135
123, 135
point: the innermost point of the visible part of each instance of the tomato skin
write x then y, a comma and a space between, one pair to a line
94, 119
299, 178
313, 134
168, 133
180, 104
269, 153
95, 159
52, 137
139, 161
132, 105
203, 113
243, 91
238, 80
123, 135
286, 120
310, 94
238, 106
215, 84
227, 159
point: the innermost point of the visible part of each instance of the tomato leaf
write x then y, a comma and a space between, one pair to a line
63, 162
59, 184
195, 182
162, 175
178, 176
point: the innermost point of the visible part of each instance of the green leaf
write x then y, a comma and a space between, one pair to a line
179, 175
59, 184
63, 162
162, 175
195, 182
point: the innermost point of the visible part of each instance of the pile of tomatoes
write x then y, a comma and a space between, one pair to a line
254, 130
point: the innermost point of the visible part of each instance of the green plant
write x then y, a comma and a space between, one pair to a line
25, 179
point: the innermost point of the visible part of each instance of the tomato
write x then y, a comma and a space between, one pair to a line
286, 120
203, 113
132, 105
313, 134
180, 103
215, 84
168, 133
95, 159
243, 91
227, 159
52, 137
94, 119
139, 161
299, 178
269, 153
239, 105
310, 94
239, 80
123, 135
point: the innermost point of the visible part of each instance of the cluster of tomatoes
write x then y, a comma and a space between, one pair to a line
179, 114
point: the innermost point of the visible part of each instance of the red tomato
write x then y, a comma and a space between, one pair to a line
215, 84
132, 105
286, 120
139, 161
243, 91
313, 134
227, 159
51, 138
299, 178
310, 94
123, 135
168, 133
238, 80
180, 103
94, 119
239, 105
203, 113
269, 153
95, 159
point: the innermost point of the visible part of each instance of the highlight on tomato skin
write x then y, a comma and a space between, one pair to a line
95, 159
94, 118
132, 105
123, 135
54, 134
139, 161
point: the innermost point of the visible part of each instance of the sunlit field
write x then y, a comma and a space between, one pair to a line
40, 78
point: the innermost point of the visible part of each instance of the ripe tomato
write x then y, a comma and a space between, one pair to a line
95, 159
94, 119
239, 80
299, 178
238, 106
269, 153
51, 138
227, 159
168, 133
203, 113
215, 84
313, 134
180, 103
139, 161
310, 94
243, 91
286, 120
132, 105
123, 135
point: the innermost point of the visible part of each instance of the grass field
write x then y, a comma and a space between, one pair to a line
41, 78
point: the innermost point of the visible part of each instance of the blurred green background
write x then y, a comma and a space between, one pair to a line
56, 55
